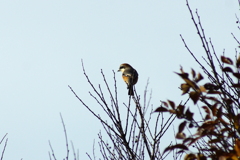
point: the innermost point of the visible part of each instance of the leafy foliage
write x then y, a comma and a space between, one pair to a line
217, 134
218, 131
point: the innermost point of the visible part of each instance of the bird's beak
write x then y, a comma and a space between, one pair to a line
119, 70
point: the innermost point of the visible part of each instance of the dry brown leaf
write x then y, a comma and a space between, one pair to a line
194, 96
226, 60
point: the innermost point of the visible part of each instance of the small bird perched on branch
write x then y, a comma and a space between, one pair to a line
129, 75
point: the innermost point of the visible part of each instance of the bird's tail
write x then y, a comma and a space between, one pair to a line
130, 90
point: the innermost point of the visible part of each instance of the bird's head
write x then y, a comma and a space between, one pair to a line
123, 67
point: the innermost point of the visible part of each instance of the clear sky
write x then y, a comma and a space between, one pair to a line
42, 43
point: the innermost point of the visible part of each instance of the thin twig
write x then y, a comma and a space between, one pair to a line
235, 39
3, 138
74, 153
66, 139
4, 148
52, 150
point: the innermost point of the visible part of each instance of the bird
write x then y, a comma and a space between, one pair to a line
129, 75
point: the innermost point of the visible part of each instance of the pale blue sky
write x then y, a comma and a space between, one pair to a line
42, 44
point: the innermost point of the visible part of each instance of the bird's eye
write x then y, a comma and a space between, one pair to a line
121, 67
